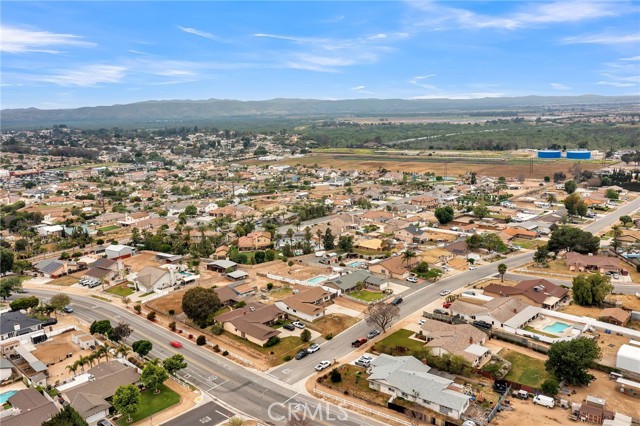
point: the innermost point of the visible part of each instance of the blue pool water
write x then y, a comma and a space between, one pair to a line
317, 279
186, 274
4, 397
557, 327
355, 264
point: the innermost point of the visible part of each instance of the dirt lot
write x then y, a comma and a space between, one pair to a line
140, 260
173, 300
484, 283
422, 164
333, 324
629, 301
55, 351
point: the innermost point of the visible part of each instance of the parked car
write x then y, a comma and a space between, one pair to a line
615, 276
422, 321
396, 301
289, 327
322, 365
412, 279
473, 267
313, 348
373, 333
446, 305
298, 324
500, 386
445, 292
546, 401
67, 309
301, 354
175, 344
359, 342
482, 324
440, 311
104, 422
364, 361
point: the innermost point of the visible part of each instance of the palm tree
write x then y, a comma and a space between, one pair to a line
123, 350
502, 269
407, 256
73, 367
82, 361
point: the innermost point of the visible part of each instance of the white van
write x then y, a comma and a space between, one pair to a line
544, 400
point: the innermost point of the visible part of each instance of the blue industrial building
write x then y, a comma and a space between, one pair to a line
579, 155
549, 153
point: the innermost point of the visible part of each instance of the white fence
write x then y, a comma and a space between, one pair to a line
346, 402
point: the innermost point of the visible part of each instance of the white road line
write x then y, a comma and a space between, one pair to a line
298, 393
219, 384
222, 414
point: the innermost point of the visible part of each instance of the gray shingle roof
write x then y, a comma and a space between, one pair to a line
8, 320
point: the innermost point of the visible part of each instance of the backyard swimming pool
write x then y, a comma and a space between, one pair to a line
356, 264
317, 279
557, 327
4, 397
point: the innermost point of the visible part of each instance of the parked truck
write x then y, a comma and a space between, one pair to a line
359, 342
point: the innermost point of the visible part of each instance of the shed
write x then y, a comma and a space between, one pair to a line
237, 275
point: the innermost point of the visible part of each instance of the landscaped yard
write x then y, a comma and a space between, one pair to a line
540, 332
151, 404
527, 244
108, 228
366, 295
65, 281
354, 382
399, 339
122, 290
287, 346
525, 369
332, 324
222, 310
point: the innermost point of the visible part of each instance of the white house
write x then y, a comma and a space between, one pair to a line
152, 278
408, 378
119, 251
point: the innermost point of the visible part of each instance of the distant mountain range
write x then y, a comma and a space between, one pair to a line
216, 109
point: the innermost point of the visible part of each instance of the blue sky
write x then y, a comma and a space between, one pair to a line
72, 54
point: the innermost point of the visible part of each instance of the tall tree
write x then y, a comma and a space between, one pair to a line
381, 314
6, 260
59, 301
121, 331
126, 400
616, 233
444, 214
591, 289
328, 240
570, 360
199, 302
142, 347
541, 254
481, 211
502, 269
68, 416
408, 256
569, 238
9, 285
570, 186
153, 375
174, 363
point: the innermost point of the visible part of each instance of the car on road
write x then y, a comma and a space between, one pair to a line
445, 292
301, 354
412, 279
422, 321
67, 309
289, 327
473, 267
359, 342
313, 348
373, 333
298, 324
322, 365
175, 344
396, 301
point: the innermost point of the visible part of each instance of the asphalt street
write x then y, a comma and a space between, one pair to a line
208, 414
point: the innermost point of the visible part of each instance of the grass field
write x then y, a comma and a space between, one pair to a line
525, 370
122, 290
399, 338
286, 346
366, 295
151, 404
64, 281
109, 228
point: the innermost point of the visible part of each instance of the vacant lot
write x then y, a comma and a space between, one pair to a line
333, 324
399, 342
173, 300
64, 281
454, 166
121, 290
273, 355
525, 369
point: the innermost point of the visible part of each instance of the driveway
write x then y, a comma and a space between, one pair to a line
337, 309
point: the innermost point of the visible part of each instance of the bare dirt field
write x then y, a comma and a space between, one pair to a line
173, 300
454, 166
140, 260
55, 351
629, 301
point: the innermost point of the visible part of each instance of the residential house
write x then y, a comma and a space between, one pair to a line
253, 322
53, 268
537, 292
256, 240
425, 201
615, 316
593, 410
349, 282
412, 234
394, 267
462, 340
308, 304
153, 278
132, 218
106, 270
499, 312
46, 231
459, 248
375, 244
15, 323
437, 255
90, 398
603, 264
408, 378
376, 216
29, 407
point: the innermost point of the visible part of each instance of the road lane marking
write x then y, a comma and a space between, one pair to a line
298, 393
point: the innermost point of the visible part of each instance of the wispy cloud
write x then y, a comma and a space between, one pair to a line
559, 86
361, 89
20, 40
603, 38
89, 75
417, 81
334, 19
201, 33
295, 39
422, 77
633, 58
138, 52
617, 80
438, 16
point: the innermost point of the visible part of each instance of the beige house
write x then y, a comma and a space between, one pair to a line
253, 322
308, 304
582, 263
394, 267
462, 340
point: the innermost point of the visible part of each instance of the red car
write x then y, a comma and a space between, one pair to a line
176, 344
446, 305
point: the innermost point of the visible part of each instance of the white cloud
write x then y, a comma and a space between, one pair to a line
560, 86
633, 58
603, 38
291, 38
138, 52
200, 33
422, 77
358, 88
439, 17
20, 40
617, 80
89, 75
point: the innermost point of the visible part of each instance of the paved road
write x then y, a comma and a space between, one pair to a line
208, 414
414, 300
233, 386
